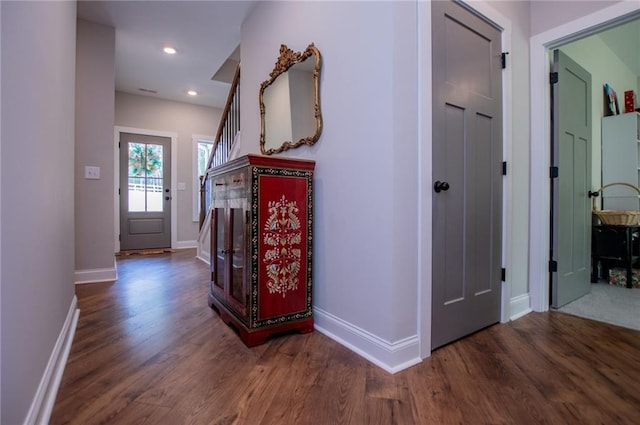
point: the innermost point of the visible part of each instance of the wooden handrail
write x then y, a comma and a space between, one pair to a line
227, 130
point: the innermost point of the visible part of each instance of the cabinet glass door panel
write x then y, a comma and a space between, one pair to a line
238, 258
219, 247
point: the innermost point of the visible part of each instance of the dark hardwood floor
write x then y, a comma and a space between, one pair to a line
148, 350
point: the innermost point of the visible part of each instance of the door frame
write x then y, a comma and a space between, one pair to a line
174, 179
425, 168
540, 125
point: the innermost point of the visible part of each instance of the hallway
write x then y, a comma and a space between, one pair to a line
148, 350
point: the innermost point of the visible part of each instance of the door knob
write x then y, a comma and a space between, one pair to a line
439, 186
593, 194
166, 198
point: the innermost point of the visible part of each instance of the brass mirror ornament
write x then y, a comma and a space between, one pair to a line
290, 101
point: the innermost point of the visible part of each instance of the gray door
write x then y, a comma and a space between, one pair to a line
145, 192
571, 206
467, 173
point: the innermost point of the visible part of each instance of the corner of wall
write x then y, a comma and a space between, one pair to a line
390, 356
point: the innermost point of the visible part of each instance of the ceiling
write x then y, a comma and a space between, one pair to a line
206, 35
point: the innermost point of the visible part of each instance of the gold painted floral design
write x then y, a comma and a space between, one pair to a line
283, 236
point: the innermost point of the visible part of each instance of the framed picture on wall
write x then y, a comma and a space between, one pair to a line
610, 101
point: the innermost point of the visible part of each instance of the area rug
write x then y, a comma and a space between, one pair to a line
145, 251
609, 304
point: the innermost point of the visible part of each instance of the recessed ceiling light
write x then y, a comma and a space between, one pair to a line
192, 93
169, 50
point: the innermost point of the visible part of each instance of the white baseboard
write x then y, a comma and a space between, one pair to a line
96, 275
203, 256
390, 356
42, 404
186, 244
519, 306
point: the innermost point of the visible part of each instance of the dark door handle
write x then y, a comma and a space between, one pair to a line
166, 190
166, 198
440, 186
593, 194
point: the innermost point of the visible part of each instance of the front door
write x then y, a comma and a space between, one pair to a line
571, 206
145, 191
467, 173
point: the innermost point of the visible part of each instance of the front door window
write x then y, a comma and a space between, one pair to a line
145, 177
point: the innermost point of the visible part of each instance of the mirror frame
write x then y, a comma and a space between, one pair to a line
287, 59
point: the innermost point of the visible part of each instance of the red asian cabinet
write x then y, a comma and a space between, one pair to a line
261, 245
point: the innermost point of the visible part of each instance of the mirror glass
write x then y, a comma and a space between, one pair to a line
290, 101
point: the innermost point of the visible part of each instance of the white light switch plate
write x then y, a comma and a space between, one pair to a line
91, 173
182, 186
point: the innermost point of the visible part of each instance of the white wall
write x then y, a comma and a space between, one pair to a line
148, 113
365, 242
95, 87
37, 240
368, 181
605, 67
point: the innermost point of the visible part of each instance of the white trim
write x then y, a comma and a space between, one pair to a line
425, 170
519, 306
96, 275
425, 178
392, 357
540, 204
174, 178
186, 244
45, 397
195, 138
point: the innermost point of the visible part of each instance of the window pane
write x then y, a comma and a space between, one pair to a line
154, 194
145, 177
204, 151
154, 160
137, 160
136, 194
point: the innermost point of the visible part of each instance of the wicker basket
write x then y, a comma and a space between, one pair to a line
618, 218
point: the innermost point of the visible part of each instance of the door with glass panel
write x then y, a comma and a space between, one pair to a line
145, 192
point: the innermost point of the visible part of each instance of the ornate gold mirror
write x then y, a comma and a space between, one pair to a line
290, 101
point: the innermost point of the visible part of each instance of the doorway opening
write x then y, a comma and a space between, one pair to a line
540, 130
612, 59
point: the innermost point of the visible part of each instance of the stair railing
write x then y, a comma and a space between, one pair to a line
227, 130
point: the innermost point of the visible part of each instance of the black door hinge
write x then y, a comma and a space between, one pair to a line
118, 145
118, 191
503, 274
553, 266
553, 172
504, 59
553, 78
504, 168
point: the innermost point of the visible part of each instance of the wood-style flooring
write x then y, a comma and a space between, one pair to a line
148, 350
